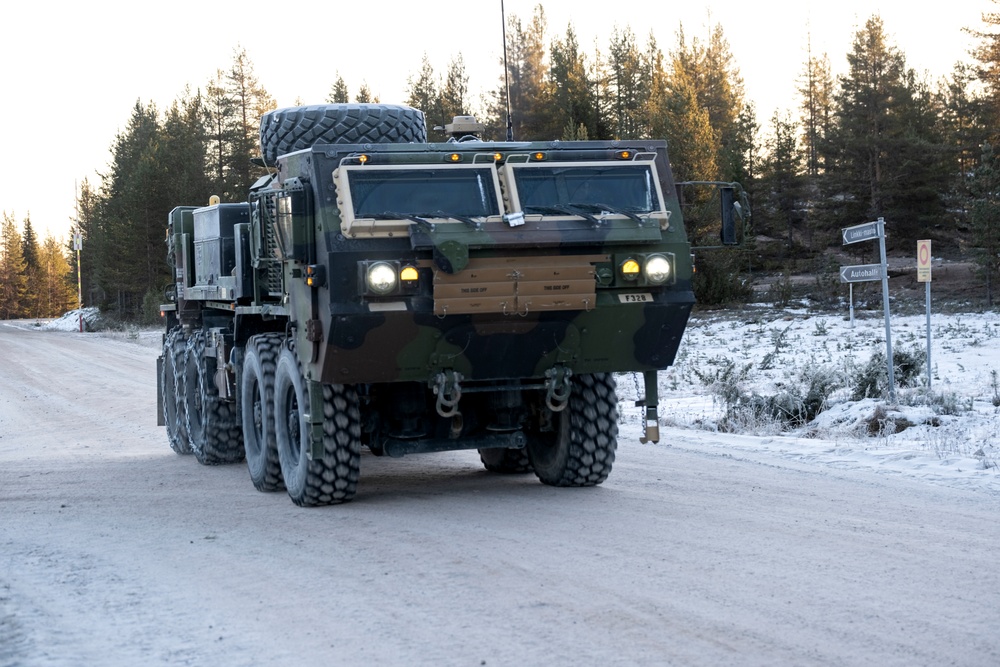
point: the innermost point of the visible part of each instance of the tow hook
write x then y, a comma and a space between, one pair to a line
557, 388
651, 419
448, 389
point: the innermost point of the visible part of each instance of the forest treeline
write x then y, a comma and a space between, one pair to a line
881, 140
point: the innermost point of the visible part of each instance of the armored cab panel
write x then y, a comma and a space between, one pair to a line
214, 244
181, 231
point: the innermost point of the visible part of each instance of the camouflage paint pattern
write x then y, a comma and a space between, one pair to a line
609, 325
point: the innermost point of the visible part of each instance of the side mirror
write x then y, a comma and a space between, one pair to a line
731, 209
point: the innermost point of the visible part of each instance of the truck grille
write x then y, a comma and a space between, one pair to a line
270, 253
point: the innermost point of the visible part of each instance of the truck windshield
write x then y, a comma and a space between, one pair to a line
619, 187
420, 191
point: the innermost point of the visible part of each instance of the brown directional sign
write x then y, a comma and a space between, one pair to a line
860, 273
865, 232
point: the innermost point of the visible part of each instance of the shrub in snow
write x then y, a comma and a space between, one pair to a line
873, 379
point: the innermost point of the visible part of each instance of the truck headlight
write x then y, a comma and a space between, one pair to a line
381, 278
657, 269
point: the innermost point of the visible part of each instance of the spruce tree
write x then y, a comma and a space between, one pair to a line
29, 250
338, 92
364, 95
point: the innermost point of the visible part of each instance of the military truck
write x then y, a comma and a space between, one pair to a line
378, 292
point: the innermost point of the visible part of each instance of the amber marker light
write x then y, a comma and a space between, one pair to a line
498, 157
624, 155
315, 275
538, 157
630, 269
454, 157
363, 159
409, 274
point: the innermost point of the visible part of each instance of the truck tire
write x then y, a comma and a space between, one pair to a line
581, 451
332, 477
212, 424
257, 410
291, 129
505, 460
171, 390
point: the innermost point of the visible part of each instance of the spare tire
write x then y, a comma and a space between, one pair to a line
294, 128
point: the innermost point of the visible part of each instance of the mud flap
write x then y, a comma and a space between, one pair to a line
160, 421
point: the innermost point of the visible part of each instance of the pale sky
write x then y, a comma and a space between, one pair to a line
72, 72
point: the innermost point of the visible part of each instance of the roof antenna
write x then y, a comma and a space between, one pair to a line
506, 74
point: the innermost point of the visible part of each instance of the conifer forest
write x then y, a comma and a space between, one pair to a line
880, 140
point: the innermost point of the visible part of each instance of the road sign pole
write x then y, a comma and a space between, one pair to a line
927, 299
924, 276
78, 245
885, 307
852, 304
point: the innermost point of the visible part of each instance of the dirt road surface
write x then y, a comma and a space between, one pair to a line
116, 551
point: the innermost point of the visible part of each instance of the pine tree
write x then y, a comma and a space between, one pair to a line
710, 70
250, 101
721, 92
985, 218
219, 110
987, 53
57, 294
423, 93
181, 154
627, 76
573, 90
885, 151
453, 99
779, 200
338, 92
12, 280
677, 115
816, 89
530, 110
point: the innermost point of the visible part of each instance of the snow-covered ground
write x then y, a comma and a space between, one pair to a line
948, 435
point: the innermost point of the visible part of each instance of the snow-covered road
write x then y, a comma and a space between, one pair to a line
116, 551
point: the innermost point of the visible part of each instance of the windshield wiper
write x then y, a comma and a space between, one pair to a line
469, 222
412, 217
421, 218
563, 209
597, 206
